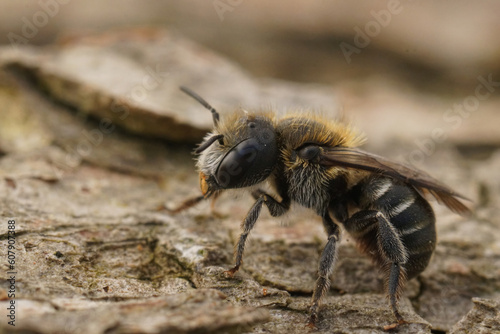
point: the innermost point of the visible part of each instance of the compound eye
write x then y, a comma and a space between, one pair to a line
247, 163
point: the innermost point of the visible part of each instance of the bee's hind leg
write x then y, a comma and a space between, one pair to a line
389, 249
394, 284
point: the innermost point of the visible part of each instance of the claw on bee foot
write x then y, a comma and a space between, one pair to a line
395, 325
311, 324
312, 320
230, 273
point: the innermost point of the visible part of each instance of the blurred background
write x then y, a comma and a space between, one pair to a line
444, 44
406, 62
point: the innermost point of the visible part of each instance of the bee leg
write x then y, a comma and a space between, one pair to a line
190, 202
326, 265
391, 249
247, 226
396, 279
275, 208
395, 253
213, 210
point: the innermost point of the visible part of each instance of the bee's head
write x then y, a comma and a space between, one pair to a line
240, 152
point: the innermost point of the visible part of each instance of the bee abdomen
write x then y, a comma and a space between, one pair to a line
408, 212
418, 235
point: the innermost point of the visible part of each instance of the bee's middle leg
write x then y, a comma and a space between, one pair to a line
275, 208
326, 266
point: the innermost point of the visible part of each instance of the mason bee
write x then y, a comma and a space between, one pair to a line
316, 163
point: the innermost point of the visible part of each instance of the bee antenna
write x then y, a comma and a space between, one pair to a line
209, 142
215, 114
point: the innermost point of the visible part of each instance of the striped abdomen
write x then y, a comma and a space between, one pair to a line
407, 211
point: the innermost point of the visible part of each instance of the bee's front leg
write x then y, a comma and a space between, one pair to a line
188, 203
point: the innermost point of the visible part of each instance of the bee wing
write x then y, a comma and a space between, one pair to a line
421, 181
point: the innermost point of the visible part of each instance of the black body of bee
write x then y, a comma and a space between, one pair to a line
314, 162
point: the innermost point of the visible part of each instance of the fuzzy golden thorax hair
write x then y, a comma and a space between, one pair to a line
297, 129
